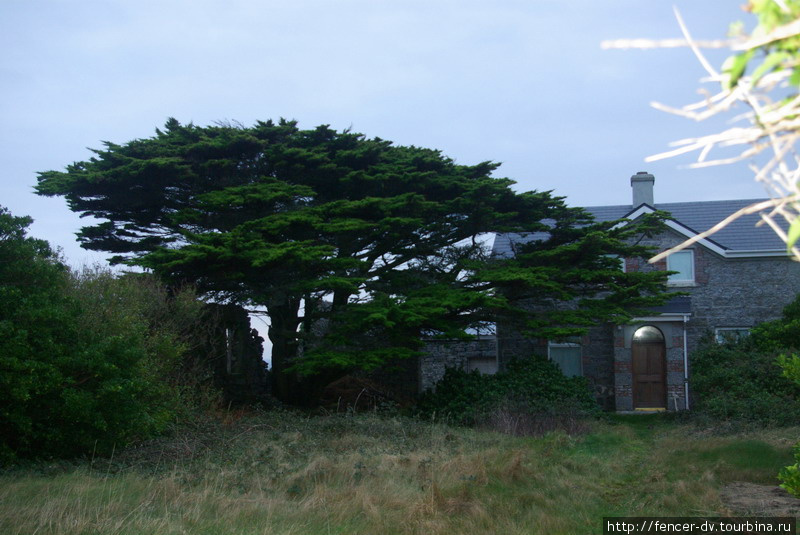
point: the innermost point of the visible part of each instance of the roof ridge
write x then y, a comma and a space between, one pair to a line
718, 201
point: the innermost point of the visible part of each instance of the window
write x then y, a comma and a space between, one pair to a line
485, 365
647, 334
567, 356
724, 335
683, 263
618, 259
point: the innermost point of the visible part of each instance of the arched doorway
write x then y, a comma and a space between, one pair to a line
649, 374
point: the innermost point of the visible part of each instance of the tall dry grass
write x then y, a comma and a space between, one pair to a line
281, 473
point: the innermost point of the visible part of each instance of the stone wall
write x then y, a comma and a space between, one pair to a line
739, 292
512, 345
734, 292
597, 357
598, 363
442, 354
727, 292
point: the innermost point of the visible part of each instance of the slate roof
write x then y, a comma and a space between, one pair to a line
740, 235
681, 304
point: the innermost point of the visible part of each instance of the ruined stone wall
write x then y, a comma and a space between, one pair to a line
598, 363
442, 354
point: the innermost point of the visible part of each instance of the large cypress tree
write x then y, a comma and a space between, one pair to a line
379, 243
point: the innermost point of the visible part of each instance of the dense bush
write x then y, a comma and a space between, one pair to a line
752, 379
86, 359
169, 326
531, 386
783, 335
743, 381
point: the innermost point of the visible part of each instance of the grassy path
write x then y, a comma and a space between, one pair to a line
286, 474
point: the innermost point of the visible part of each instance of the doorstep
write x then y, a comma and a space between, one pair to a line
649, 410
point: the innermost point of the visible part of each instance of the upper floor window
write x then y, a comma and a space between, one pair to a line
683, 263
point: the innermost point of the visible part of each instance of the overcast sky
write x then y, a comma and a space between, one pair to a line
524, 83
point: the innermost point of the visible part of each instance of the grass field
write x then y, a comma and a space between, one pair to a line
283, 473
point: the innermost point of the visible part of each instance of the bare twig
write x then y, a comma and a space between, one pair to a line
773, 123
752, 209
645, 44
782, 32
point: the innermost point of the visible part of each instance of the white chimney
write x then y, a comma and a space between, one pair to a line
642, 184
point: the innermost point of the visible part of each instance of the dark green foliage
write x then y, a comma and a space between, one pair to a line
388, 237
790, 475
558, 287
751, 379
85, 359
533, 385
741, 380
782, 334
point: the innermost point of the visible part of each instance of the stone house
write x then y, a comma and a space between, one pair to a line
735, 279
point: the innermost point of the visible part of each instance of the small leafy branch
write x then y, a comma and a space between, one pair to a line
763, 75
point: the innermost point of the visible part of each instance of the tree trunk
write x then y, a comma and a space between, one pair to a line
283, 334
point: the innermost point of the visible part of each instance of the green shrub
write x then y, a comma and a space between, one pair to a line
790, 475
782, 334
750, 379
86, 359
533, 386
743, 381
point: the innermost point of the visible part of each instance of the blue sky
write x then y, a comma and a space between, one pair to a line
524, 83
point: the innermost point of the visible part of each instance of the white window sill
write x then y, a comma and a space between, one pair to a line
681, 284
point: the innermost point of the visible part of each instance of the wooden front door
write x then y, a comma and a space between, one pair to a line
649, 373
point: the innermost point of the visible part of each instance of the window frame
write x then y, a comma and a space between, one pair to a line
561, 345
721, 340
671, 280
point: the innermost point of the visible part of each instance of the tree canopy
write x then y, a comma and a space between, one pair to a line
380, 244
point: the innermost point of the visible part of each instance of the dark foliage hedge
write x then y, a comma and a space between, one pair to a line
534, 385
86, 359
742, 380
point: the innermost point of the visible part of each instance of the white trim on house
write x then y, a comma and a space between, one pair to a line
675, 316
705, 242
754, 254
